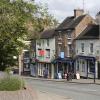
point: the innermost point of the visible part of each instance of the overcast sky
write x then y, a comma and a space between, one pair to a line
63, 8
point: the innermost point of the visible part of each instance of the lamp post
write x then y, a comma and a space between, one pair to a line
98, 21
94, 70
99, 38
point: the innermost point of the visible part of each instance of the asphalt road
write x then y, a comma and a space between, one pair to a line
73, 91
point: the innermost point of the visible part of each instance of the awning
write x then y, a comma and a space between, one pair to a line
91, 58
63, 60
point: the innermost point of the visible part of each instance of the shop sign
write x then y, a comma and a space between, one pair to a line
62, 54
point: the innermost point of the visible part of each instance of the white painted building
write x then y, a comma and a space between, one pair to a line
45, 49
45, 52
88, 46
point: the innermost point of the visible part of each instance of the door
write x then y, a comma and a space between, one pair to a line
98, 70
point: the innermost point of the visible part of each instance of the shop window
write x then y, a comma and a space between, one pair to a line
83, 66
77, 66
91, 67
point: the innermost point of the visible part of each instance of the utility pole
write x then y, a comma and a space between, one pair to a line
98, 21
20, 64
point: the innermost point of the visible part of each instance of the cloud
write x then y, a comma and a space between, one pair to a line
63, 8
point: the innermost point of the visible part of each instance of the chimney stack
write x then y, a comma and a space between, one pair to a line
78, 12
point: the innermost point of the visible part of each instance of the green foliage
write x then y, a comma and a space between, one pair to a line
18, 20
11, 84
7, 70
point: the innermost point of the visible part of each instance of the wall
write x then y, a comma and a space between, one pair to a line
44, 47
87, 53
86, 47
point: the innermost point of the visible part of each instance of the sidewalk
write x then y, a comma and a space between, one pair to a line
18, 95
30, 94
80, 81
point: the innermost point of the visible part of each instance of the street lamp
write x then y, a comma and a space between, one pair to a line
98, 21
14, 57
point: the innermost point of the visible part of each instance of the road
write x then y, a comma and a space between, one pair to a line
73, 91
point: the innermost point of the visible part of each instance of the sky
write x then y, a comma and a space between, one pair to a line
63, 8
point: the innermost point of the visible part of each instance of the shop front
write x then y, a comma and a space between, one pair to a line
63, 66
86, 66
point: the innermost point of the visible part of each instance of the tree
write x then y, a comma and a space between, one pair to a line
18, 19
43, 20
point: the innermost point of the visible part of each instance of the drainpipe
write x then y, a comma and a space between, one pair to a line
94, 70
87, 69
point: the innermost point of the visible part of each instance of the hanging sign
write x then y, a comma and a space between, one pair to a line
62, 54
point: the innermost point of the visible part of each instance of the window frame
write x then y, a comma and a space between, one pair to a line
48, 42
47, 50
91, 47
82, 47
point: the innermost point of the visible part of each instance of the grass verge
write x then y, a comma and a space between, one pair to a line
11, 83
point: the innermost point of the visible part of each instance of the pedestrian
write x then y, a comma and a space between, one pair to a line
45, 73
65, 75
68, 76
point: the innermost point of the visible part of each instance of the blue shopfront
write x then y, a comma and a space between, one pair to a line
63, 65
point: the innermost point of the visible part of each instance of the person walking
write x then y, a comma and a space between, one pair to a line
45, 73
68, 76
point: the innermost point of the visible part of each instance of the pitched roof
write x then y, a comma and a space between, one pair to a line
47, 33
65, 23
90, 32
70, 22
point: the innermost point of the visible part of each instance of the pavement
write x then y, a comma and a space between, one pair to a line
78, 81
17, 95
30, 94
